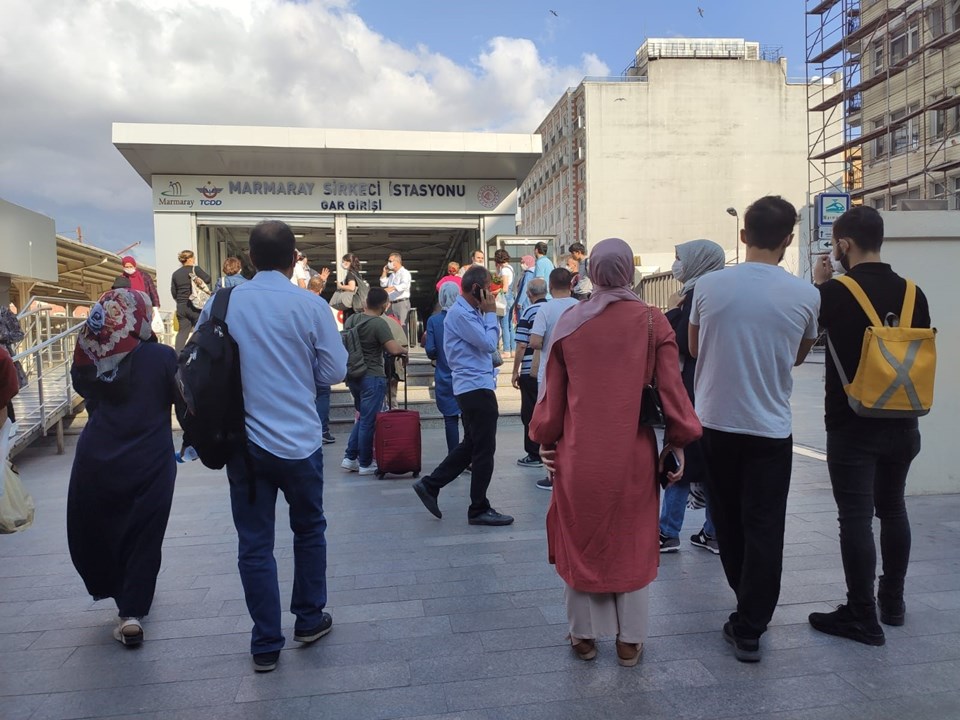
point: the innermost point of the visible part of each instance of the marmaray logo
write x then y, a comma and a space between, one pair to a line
210, 193
174, 189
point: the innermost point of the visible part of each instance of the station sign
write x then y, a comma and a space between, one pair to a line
830, 206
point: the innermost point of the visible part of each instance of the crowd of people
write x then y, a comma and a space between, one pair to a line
714, 373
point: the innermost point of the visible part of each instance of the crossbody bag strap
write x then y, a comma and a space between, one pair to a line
836, 361
861, 297
651, 354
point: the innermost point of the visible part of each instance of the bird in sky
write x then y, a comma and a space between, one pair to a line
555, 13
700, 10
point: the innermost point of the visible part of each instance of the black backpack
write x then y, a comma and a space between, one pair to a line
210, 407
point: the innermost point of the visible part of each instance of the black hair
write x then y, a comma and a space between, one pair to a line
353, 260
272, 245
377, 297
540, 247
560, 278
475, 275
863, 225
578, 248
768, 222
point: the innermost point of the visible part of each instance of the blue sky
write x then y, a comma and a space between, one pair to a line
414, 65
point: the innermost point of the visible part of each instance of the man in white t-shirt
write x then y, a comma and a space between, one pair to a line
301, 272
543, 325
749, 326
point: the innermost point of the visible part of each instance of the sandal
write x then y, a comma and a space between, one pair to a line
629, 654
128, 632
585, 649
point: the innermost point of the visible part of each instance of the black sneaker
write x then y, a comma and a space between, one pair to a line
891, 612
428, 500
669, 544
702, 540
266, 662
847, 623
744, 649
545, 484
328, 438
314, 634
530, 462
491, 517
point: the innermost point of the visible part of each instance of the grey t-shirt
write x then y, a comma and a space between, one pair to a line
544, 324
374, 334
752, 318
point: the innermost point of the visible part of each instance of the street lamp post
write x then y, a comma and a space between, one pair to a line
736, 244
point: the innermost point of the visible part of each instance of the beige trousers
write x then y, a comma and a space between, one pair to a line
595, 615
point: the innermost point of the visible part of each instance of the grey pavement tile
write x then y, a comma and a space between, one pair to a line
107, 701
284, 709
467, 604
8, 609
876, 710
944, 600
453, 588
380, 704
402, 628
930, 705
111, 654
889, 682
920, 621
415, 649
294, 682
22, 708
12, 642
519, 638
24, 660
500, 692
379, 611
608, 678
913, 650
508, 663
555, 614
366, 596
496, 620
384, 580
535, 598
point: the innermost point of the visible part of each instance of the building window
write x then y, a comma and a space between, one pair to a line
938, 123
880, 144
956, 193
938, 191
895, 200
935, 21
879, 203
906, 136
878, 56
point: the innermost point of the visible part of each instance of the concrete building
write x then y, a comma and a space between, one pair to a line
656, 156
28, 250
899, 65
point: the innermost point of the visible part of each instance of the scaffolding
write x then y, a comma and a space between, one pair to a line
883, 100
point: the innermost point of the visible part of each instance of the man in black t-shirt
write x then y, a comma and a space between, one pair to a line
868, 458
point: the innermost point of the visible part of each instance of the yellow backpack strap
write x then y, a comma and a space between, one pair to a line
861, 297
909, 301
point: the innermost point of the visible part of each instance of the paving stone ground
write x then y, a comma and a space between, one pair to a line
437, 619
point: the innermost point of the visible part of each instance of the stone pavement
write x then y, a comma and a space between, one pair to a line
437, 619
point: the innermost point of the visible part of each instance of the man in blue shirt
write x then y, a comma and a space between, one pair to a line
288, 344
544, 265
471, 333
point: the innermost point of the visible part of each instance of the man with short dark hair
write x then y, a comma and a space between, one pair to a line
523, 378
396, 280
288, 344
582, 286
868, 458
544, 265
471, 334
376, 338
749, 326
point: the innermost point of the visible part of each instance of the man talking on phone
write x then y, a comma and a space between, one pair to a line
471, 333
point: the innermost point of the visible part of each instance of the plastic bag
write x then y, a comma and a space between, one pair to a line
157, 324
16, 505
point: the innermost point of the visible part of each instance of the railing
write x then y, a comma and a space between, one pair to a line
42, 318
656, 289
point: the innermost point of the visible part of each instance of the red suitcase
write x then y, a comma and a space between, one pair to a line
396, 440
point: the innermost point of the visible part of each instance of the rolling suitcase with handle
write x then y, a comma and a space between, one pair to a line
396, 440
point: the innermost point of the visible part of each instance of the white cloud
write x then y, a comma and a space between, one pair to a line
65, 78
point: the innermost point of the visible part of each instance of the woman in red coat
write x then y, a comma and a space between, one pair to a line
602, 523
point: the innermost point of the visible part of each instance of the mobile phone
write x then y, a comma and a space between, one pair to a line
477, 292
671, 463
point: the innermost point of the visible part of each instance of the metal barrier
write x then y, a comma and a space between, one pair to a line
657, 289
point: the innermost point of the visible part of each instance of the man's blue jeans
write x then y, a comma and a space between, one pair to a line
675, 507
367, 399
301, 482
323, 406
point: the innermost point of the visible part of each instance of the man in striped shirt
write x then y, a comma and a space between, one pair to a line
523, 379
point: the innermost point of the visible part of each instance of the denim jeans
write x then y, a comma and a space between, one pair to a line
748, 483
506, 328
451, 428
367, 399
301, 482
675, 507
323, 406
868, 472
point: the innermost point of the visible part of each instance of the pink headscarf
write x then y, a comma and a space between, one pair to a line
611, 270
527, 262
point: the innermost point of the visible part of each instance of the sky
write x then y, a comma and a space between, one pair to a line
69, 69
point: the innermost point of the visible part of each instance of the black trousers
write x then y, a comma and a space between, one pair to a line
868, 472
529, 387
187, 318
479, 412
748, 483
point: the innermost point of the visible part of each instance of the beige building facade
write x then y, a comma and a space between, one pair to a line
657, 156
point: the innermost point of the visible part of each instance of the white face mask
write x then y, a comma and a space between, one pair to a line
677, 269
345, 266
129, 271
837, 266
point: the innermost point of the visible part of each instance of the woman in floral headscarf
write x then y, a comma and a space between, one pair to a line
121, 486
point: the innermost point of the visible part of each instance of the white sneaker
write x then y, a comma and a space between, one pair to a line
350, 465
371, 470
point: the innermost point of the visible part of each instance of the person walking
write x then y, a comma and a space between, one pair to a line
543, 265
396, 280
543, 325
694, 259
181, 287
750, 324
231, 274
138, 280
121, 483
502, 259
582, 287
352, 280
868, 458
524, 379
471, 335
316, 285
603, 513
376, 338
442, 375
288, 344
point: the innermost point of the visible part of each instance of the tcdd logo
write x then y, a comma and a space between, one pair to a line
210, 192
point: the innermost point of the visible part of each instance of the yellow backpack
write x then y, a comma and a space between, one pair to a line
894, 378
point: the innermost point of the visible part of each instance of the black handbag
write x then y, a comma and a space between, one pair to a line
651, 409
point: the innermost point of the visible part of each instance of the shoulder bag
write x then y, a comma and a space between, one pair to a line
651, 409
